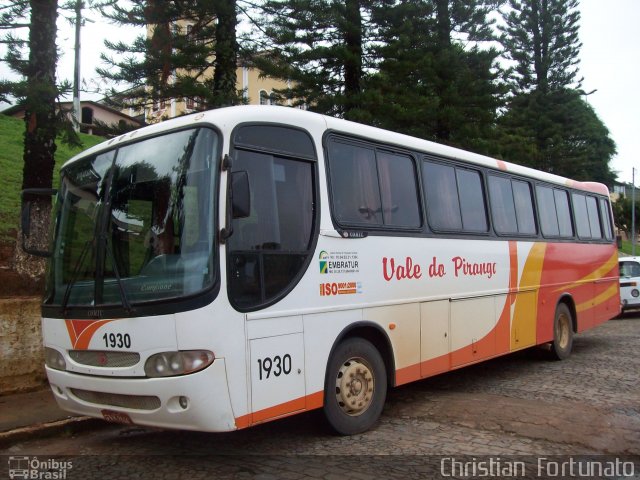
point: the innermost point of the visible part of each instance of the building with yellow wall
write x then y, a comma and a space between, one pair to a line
256, 90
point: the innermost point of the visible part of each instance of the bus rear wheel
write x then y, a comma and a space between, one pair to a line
562, 333
356, 387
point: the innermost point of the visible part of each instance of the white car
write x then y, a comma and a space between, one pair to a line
629, 282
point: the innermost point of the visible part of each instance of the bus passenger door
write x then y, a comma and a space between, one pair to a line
277, 368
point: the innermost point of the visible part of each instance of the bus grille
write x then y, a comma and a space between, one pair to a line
136, 402
97, 358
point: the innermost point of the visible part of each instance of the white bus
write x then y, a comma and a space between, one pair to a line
232, 267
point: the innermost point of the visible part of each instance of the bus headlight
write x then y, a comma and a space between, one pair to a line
54, 359
168, 364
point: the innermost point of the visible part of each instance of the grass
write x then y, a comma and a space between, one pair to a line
11, 165
626, 248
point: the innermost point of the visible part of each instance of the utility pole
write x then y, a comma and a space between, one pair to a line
633, 212
77, 114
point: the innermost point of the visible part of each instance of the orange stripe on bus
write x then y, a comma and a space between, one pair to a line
81, 331
83, 340
408, 374
603, 297
598, 273
72, 332
308, 402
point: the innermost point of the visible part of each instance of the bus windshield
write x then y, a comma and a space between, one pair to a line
136, 223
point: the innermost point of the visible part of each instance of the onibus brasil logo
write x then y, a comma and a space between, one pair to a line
34, 468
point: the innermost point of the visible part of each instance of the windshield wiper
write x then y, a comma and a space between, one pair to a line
123, 294
74, 278
124, 299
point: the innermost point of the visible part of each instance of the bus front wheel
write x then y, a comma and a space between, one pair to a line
562, 333
356, 387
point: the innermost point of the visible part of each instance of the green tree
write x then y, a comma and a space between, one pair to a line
37, 91
548, 124
13, 19
413, 66
436, 78
619, 215
541, 38
323, 48
188, 51
226, 55
40, 95
464, 83
558, 132
622, 215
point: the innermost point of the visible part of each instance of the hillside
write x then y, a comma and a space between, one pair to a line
11, 148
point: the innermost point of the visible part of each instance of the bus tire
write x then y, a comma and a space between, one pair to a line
562, 333
356, 387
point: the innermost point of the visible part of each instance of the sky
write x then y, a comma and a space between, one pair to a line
610, 64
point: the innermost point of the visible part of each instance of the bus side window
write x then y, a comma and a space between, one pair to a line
606, 219
563, 212
398, 190
547, 212
443, 204
582, 215
594, 218
455, 198
511, 206
354, 184
554, 211
371, 187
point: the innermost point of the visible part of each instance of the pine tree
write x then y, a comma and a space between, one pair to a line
188, 51
226, 53
541, 38
548, 124
37, 91
40, 96
398, 65
457, 67
435, 79
13, 18
322, 47
401, 94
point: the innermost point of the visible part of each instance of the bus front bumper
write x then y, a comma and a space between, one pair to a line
198, 401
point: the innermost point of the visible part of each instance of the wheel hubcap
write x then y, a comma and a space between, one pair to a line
354, 387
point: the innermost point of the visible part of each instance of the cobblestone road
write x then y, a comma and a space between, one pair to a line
520, 404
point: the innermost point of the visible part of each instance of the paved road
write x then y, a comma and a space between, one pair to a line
520, 404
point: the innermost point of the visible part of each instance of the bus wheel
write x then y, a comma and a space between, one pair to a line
562, 333
356, 387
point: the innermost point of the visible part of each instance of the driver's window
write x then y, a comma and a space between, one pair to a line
270, 248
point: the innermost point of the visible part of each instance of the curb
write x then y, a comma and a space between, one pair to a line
67, 426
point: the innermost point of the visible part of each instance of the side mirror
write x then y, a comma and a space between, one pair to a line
241, 196
28, 197
619, 241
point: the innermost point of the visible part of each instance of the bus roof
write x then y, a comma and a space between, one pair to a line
227, 118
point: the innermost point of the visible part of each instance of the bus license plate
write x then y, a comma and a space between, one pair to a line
116, 417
